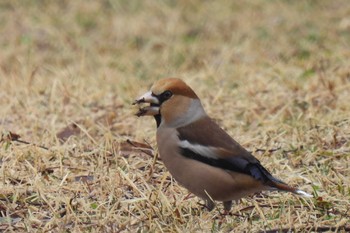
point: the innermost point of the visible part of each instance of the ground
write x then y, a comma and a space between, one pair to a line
74, 158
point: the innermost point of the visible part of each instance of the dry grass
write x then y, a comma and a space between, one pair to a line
275, 74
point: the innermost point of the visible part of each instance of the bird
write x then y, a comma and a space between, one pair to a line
198, 153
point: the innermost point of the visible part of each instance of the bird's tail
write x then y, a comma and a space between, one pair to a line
260, 172
284, 187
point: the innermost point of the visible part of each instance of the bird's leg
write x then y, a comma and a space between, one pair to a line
227, 205
209, 204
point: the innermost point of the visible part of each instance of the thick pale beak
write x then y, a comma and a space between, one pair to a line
151, 110
148, 97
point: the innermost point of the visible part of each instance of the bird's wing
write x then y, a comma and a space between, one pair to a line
206, 142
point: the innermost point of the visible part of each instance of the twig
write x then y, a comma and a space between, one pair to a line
148, 152
33, 144
15, 138
266, 206
270, 151
309, 229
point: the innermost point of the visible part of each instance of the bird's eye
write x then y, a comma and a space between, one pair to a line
167, 94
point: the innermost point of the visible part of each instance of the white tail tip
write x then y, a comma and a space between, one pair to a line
302, 193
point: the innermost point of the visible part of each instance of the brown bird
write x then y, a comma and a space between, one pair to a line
200, 155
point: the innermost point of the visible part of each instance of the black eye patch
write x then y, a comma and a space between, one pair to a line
165, 96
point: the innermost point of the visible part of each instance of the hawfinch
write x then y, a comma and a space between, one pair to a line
200, 155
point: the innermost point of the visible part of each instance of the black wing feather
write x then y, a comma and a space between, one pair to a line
255, 170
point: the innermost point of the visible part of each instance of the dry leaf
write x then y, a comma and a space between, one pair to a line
70, 130
129, 146
83, 178
9, 136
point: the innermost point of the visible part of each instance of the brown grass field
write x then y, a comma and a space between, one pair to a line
74, 158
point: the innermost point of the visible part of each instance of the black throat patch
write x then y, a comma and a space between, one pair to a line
158, 119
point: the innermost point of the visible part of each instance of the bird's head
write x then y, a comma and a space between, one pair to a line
172, 102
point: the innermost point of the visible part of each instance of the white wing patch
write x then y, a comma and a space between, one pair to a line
206, 151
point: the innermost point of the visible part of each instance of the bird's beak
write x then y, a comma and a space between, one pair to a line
151, 110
